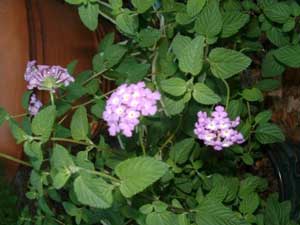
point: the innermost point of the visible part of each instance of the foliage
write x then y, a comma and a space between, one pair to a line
197, 54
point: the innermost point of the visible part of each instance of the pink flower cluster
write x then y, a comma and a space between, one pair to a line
218, 130
34, 105
44, 77
126, 105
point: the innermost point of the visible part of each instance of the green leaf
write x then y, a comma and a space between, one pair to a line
268, 85
233, 22
72, 66
16, 131
235, 108
205, 95
106, 42
191, 59
26, 99
247, 159
61, 158
34, 151
163, 218
174, 86
194, 7
209, 21
180, 152
3, 115
94, 192
263, 117
268, 133
173, 106
138, 173
249, 185
249, 204
43, 122
128, 24
79, 124
278, 12
98, 108
75, 2
225, 63
270, 66
148, 37
252, 95
89, 15
289, 25
142, 5
113, 55
211, 212
180, 43
277, 37
289, 55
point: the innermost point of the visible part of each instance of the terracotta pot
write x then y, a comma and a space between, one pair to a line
49, 31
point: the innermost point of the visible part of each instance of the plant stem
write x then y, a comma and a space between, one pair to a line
104, 4
52, 98
107, 17
92, 77
141, 140
101, 174
11, 158
120, 142
70, 141
228, 92
19, 115
249, 111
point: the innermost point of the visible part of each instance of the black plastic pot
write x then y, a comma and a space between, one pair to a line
285, 160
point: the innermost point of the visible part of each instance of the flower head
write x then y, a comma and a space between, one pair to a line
126, 105
46, 77
218, 130
34, 105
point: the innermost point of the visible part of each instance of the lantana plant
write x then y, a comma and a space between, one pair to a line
169, 145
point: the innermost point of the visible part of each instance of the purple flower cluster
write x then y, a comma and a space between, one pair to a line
46, 77
34, 105
125, 106
218, 130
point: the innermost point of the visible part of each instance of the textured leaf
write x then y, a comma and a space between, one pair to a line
138, 173
94, 192
3, 115
263, 117
18, 133
89, 15
209, 21
211, 212
43, 122
163, 218
79, 124
278, 12
289, 55
225, 63
173, 106
277, 37
148, 37
270, 66
179, 44
174, 86
233, 22
268, 133
205, 95
252, 95
142, 5
127, 23
61, 158
34, 151
191, 59
249, 204
180, 152
194, 7
268, 85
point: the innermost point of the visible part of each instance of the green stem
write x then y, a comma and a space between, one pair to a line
70, 141
120, 142
92, 77
141, 140
249, 111
19, 115
101, 174
107, 17
11, 158
228, 92
104, 4
52, 98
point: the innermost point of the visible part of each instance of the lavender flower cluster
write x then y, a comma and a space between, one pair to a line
34, 105
44, 77
126, 105
218, 130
